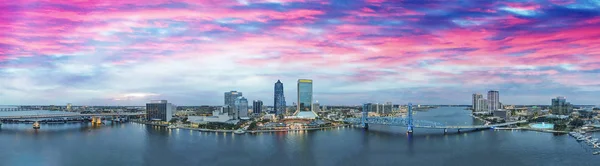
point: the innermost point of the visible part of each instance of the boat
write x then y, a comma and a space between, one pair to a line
36, 125
172, 127
596, 153
239, 131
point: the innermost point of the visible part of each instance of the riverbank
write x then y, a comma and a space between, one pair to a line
479, 118
231, 131
532, 129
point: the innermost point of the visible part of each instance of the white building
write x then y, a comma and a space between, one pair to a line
217, 117
493, 100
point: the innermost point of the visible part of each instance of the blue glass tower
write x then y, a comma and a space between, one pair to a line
279, 99
305, 96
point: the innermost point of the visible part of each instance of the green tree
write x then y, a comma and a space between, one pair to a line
577, 123
252, 126
173, 120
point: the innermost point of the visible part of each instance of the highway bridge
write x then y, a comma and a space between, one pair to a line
410, 123
71, 115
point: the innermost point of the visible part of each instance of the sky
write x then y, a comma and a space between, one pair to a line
115, 52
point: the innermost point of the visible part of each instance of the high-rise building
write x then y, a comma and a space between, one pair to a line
159, 110
560, 106
493, 100
316, 107
230, 97
279, 103
257, 107
305, 94
376, 108
69, 109
481, 105
387, 108
241, 105
368, 106
476, 96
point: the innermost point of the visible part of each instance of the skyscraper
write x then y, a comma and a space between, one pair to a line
257, 107
387, 109
279, 103
560, 106
482, 105
494, 100
230, 97
476, 97
241, 105
159, 110
305, 94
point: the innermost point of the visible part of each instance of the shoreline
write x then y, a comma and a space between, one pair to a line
246, 131
536, 130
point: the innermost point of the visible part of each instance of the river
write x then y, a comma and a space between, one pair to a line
136, 144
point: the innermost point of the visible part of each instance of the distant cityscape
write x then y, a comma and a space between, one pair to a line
305, 113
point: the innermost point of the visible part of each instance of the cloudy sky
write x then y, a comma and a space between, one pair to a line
115, 52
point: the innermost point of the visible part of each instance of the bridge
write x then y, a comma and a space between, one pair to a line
96, 118
410, 123
68, 115
16, 109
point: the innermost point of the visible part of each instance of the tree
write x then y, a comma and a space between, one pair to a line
577, 123
252, 126
173, 120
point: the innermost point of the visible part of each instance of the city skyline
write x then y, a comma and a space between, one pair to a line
127, 53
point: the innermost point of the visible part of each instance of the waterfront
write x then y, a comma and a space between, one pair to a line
138, 144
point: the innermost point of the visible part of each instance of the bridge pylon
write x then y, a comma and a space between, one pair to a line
410, 119
365, 115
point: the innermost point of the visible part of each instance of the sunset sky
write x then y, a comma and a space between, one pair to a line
127, 52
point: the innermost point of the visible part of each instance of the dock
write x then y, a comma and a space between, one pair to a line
591, 141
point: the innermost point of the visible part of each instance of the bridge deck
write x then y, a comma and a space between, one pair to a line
67, 115
392, 121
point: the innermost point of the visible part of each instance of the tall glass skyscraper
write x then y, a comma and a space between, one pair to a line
241, 105
305, 94
230, 97
279, 103
257, 107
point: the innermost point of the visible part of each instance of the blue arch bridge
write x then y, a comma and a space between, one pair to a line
410, 123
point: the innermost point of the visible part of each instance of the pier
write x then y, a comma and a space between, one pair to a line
582, 137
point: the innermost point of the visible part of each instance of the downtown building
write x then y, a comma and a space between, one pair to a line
229, 103
479, 103
305, 97
257, 106
279, 107
241, 107
388, 108
560, 106
159, 110
493, 100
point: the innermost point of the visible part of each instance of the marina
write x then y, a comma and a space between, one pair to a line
589, 140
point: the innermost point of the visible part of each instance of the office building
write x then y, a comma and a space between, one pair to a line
257, 107
368, 107
316, 107
305, 96
279, 99
230, 97
387, 108
560, 106
493, 100
241, 105
476, 97
159, 110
